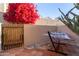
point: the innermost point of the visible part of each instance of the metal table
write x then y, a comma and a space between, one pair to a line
56, 38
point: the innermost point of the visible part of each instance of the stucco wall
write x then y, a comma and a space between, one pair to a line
63, 28
35, 33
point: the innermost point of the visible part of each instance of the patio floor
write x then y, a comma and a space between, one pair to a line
27, 52
71, 50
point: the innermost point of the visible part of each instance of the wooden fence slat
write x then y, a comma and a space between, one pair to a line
12, 36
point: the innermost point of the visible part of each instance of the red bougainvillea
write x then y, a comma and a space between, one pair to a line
21, 13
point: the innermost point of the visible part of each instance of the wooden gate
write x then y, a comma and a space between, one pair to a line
12, 36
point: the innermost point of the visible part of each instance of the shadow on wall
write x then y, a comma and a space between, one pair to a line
1, 20
1, 17
67, 30
35, 33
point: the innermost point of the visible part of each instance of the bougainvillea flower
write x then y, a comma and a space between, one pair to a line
21, 13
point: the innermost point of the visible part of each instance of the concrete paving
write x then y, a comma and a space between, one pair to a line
71, 50
27, 52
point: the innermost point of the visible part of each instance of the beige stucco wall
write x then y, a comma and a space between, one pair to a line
74, 37
46, 22
63, 28
35, 33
